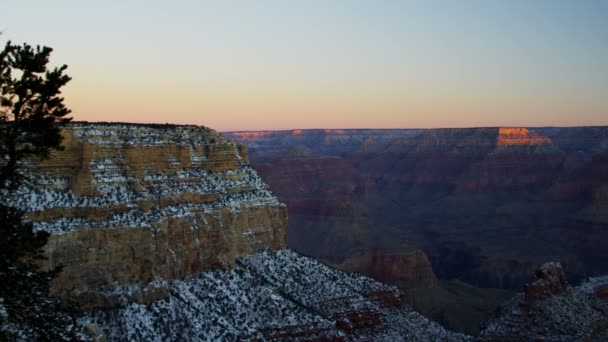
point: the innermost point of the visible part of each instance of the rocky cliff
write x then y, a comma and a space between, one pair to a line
130, 204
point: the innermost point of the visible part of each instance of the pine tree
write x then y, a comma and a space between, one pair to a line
31, 110
31, 116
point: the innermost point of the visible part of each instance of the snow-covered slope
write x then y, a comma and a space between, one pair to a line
277, 295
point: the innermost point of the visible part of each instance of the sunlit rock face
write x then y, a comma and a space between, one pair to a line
513, 136
132, 203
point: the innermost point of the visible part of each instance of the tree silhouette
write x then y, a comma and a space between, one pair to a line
31, 116
31, 110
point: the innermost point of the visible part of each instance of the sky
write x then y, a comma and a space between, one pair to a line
268, 65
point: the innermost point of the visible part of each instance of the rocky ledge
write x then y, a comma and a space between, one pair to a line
551, 310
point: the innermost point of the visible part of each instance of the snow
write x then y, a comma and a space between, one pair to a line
146, 135
265, 294
3, 313
117, 190
592, 284
116, 187
573, 315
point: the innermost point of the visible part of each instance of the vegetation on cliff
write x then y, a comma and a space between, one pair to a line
268, 296
31, 110
31, 113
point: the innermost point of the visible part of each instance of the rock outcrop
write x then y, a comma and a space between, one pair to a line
551, 310
131, 204
549, 280
519, 136
407, 270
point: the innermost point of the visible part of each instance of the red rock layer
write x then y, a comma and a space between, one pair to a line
407, 270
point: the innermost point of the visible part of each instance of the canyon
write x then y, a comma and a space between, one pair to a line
167, 232
481, 206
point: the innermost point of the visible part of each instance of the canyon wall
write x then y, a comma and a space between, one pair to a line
408, 271
129, 203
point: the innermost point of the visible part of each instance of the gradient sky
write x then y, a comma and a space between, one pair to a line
249, 65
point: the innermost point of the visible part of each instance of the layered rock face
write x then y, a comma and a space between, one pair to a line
327, 194
317, 142
519, 136
135, 203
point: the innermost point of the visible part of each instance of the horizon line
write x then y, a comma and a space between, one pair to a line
403, 128
331, 129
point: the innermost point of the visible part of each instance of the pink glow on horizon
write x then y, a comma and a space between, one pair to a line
326, 65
